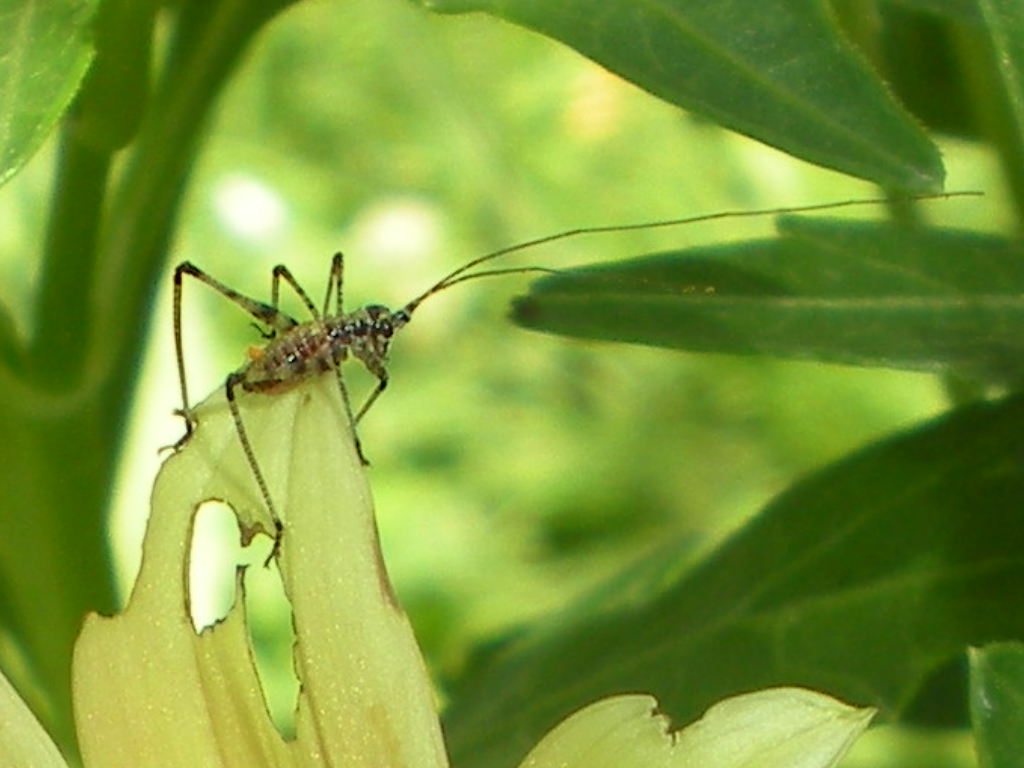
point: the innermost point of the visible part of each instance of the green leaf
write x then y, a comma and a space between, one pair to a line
45, 50
115, 93
10, 346
997, 704
836, 291
958, 10
913, 51
776, 70
1004, 23
860, 581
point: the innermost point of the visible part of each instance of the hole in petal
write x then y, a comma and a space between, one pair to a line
216, 554
273, 639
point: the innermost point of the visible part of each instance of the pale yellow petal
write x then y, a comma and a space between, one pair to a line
775, 728
149, 692
23, 742
367, 700
619, 732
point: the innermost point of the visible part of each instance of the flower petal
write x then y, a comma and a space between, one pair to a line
775, 728
366, 698
147, 689
784, 727
23, 742
147, 686
618, 732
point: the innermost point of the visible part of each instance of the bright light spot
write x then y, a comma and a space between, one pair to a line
595, 108
398, 231
772, 169
249, 208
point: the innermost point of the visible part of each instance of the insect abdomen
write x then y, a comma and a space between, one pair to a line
305, 351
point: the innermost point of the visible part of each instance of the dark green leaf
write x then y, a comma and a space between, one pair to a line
776, 70
859, 581
958, 10
858, 293
114, 95
997, 704
1004, 24
44, 52
918, 55
10, 345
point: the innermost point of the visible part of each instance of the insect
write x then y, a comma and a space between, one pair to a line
296, 351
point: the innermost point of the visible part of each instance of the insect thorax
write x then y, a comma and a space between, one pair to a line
318, 346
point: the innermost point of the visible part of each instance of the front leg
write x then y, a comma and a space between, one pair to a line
190, 426
234, 380
382, 383
348, 414
269, 315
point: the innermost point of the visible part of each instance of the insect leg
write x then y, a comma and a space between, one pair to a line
382, 382
265, 313
348, 413
232, 381
334, 286
282, 272
334, 283
186, 411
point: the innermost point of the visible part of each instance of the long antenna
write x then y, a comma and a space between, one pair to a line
459, 275
492, 273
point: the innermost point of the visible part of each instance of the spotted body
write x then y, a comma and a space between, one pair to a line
296, 351
320, 346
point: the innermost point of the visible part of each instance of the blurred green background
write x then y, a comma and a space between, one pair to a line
414, 143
